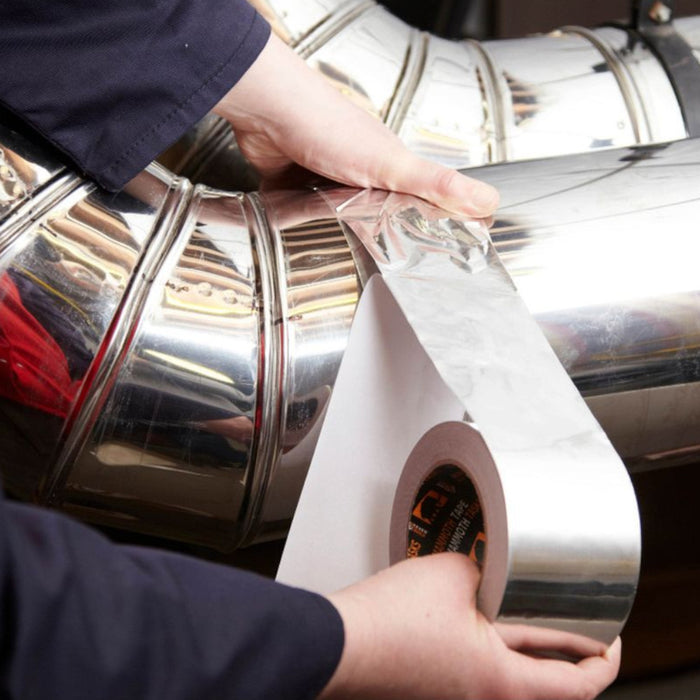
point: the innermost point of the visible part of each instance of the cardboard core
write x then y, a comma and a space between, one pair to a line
447, 516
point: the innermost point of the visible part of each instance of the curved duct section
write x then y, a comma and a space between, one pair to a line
469, 103
169, 352
163, 353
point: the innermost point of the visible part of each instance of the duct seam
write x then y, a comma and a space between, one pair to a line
492, 96
411, 74
42, 201
323, 32
628, 90
266, 448
117, 342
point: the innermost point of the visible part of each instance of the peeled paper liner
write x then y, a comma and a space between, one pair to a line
443, 355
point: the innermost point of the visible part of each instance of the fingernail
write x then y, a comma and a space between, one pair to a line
485, 198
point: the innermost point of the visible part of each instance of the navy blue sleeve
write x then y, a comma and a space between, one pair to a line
113, 83
84, 618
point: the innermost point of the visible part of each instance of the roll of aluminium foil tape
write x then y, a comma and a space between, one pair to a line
453, 426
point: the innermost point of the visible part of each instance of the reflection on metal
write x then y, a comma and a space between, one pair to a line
165, 359
167, 354
466, 103
21, 177
602, 247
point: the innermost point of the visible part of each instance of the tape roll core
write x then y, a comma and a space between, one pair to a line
446, 516
453, 455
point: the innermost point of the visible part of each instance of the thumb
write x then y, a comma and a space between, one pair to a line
443, 186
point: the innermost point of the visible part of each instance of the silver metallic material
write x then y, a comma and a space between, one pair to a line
184, 351
168, 436
317, 287
466, 103
297, 20
586, 241
184, 342
22, 176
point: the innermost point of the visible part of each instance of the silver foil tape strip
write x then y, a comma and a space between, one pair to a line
471, 379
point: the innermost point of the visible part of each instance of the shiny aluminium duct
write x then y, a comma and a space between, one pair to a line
469, 103
168, 352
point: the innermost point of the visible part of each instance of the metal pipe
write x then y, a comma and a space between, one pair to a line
168, 352
469, 103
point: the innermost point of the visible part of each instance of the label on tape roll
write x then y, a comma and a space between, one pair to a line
447, 516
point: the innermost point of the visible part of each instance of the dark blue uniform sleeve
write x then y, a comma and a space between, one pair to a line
111, 84
84, 618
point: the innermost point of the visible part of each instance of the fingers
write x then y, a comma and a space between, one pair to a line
548, 679
528, 639
283, 111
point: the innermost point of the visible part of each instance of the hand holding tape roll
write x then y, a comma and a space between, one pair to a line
454, 427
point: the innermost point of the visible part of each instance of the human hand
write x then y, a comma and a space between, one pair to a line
283, 112
412, 632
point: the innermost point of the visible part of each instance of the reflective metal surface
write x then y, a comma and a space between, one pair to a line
172, 440
68, 258
557, 95
448, 118
208, 330
602, 249
318, 290
644, 83
365, 60
24, 169
468, 103
293, 20
169, 351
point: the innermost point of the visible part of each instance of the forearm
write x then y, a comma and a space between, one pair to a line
83, 618
112, 84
